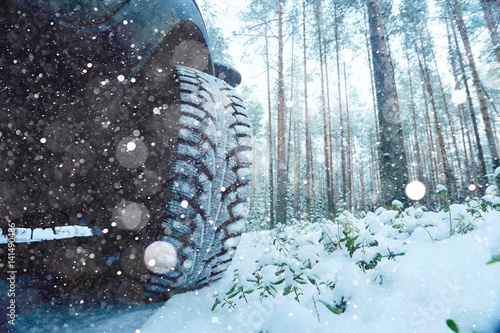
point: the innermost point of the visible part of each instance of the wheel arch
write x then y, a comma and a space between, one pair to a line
136, 32
182, 32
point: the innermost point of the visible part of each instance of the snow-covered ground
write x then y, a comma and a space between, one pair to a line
406, 274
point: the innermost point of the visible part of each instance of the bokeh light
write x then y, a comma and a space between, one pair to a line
415, 190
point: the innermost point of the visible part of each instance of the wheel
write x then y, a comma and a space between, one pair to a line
200, 212
151, 157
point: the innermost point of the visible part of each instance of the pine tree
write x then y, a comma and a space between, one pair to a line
393, 171
282, 175
486, 6
309, 162
490, 135
329, 202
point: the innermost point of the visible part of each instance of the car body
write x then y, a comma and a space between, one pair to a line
94, 99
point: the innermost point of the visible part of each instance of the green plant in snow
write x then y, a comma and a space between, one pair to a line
418, 213
452, 326
463, 226
346, 236
336, 308
330, 285
347, 233
237, 289
282, 242
370, 264
346, 221
442, 192
364, 244
486, 205
330, 241
287, 279
399, 226
494, 259
294, 288
378, 258
350, 242
476, 206
399, 207
290, 285
265, 289
475, 210
412, 212
497, 179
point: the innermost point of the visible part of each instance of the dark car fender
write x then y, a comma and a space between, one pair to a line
136, 27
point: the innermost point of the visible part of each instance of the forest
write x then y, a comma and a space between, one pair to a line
364, 97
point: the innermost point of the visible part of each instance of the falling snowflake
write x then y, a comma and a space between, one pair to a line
131, 153
131, 146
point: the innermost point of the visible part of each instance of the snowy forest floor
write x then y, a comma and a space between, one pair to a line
389, 271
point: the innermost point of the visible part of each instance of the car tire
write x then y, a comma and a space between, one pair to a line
200, 212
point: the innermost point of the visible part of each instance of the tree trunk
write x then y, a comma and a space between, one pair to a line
490, 136
296, 177
492, 26
461, 112
270, 140
463, 125
291, 138
282, 176
374, 177
333, 181
450, 123
253, 178
329, 204
376, 160
351, 201
345, 188
414, 116
394, 168
362, 186
309, 166
480, 154
290, 113
430, 137
427, 81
